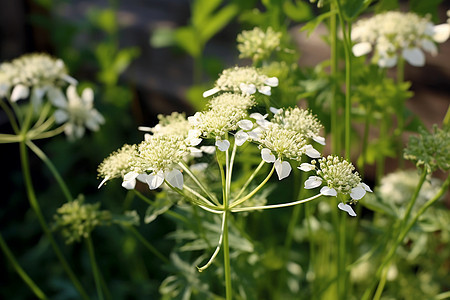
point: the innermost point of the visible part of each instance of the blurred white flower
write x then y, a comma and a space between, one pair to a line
78, 113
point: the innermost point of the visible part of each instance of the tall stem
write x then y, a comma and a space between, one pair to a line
34, 288
95, 270
334, 74
35, 206
226, 214
52, 169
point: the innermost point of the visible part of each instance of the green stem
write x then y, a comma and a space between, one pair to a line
275, 205
52, 169
95, 270
334, 75
10, 115
255, 190
226, 255
342, 257
250, 179
446, 120
198, 182
367, 121
34, 288
147, 245
35, 206
9, 138
348, 72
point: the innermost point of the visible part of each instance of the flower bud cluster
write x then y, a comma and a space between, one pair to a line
299, 120
338, 174
246, 80
395, 33
173, 124
223, 115
118, 163
258, 44
430, 149
284, 142
77, 220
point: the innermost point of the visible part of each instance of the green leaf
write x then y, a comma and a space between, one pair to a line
423, 8
159, 206
312, 25
218, 21
386, 5
189, 41
201, 11
162, 37
124, 58
299, 11
352, 8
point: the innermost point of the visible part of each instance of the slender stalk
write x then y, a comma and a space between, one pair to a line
147, 245
35, 206
198, 182
194, 200
255, 190
226, 214
348, 72
49, 134
9, 113
446, 120
342, 257
20, 271
219, 245
275, 205
52, 169
249, 180
9, 138
95, 270
334, 88
365, 143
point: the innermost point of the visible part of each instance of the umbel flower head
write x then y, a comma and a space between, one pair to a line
258, 44
224, 113
173, 124
78, 113
301, 121
156, 161
246, 80
430, 150
37, 73
392, 33
339, 177
77, 220
117, 164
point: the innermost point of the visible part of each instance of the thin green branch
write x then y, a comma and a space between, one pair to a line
95, 269
275, 205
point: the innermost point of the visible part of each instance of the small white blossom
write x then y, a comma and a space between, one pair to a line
258, 44
392, 33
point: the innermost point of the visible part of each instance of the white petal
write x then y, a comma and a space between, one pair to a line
142, 177
311, 152
361, 49
429, 46
271, 81
387, 62
257, 116
347, 208
61, 116
240, 137
154, 181
266, 90
88, 95
210, 92
195, 152
223, 145
247, 88
129, 180
305, 167
69, 79
245, 124
175, 178
37, 93
313, 182
365, 187
319, 139
267, 155
4, 87
57, 98
414, 56
208, 149
20, 91
72, 94
274, 110
283, 169
441, 33
255, 133
326, 191
145, 128
357, 192
263, 123
103, 182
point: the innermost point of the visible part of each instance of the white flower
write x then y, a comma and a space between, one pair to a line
392, 34
347, 208
305, 167
283, 168
78, 113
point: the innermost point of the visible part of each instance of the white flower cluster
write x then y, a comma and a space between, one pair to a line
38, 76
392, 33
258, 44
338, 176
246, 80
